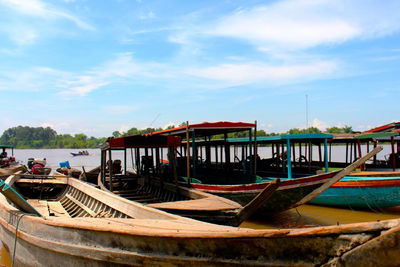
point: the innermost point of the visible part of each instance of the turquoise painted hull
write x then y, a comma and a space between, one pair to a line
371, 193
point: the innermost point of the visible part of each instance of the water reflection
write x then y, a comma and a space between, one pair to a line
313, 215
5, 259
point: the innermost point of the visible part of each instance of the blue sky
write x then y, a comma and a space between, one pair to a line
100, 66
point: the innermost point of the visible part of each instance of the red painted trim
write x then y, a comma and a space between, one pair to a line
210, 125
367, 183
250, 187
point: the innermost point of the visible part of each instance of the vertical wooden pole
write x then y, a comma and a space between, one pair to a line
157, 159
347, 152
103, 166
125, 161
359, 153
375, 145
300, 154
251, 158
289, 159
393, 154
320, 154
294, 153
194, 153
133, 162
255, 148
187, 153
309, 156
110, 172
326, 154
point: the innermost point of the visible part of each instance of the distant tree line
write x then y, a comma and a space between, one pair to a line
39, 137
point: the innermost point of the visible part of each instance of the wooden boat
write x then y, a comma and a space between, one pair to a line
72, 172
80, 153
6, 160
365, 189
238, 180
362, 192
90, 176
291, 192
65, 222
5, 172
156, 185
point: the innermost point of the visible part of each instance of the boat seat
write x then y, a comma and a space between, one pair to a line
57, 209
40, 205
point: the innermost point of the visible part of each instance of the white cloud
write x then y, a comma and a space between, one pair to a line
240, 74
42, 10
120, 109
320, 124
124, 128
302, 24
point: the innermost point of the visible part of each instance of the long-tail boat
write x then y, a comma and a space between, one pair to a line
156, 185
230, 167
377, 184
60, 221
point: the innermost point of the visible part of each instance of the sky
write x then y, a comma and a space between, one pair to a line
95, 67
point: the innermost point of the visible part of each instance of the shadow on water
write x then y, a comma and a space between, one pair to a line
313, 215
5, 259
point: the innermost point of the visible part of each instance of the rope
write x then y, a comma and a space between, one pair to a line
16, 237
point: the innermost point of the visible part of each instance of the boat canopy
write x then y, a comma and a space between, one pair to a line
208, 128
142, 141
283, 138
376, 135
6, 146
385, 128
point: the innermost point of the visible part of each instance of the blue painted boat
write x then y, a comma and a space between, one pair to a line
367, 192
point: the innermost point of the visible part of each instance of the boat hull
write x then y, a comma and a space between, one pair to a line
362, 192
289, 193
148, 237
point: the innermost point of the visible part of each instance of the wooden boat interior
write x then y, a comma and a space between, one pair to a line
61, 196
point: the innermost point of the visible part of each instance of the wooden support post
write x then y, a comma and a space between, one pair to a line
187, 153
393, 153
133, 162
157, 160
289, 159
137, 157
359, 154
255, 148
300, 154
194, 153
375, 145
250, 156
110, 171
326, 154
309, 156
125, 161
347, 152
294, 154
320, 154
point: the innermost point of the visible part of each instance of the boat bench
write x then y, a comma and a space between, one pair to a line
48, 208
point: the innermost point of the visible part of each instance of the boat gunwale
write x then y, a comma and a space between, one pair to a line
254, 187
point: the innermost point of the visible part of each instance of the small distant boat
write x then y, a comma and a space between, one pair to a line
59, 221
80, 153
6, 160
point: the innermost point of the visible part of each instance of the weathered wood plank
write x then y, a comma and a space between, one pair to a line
56, 208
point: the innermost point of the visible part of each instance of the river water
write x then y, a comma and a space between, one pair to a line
303, 216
